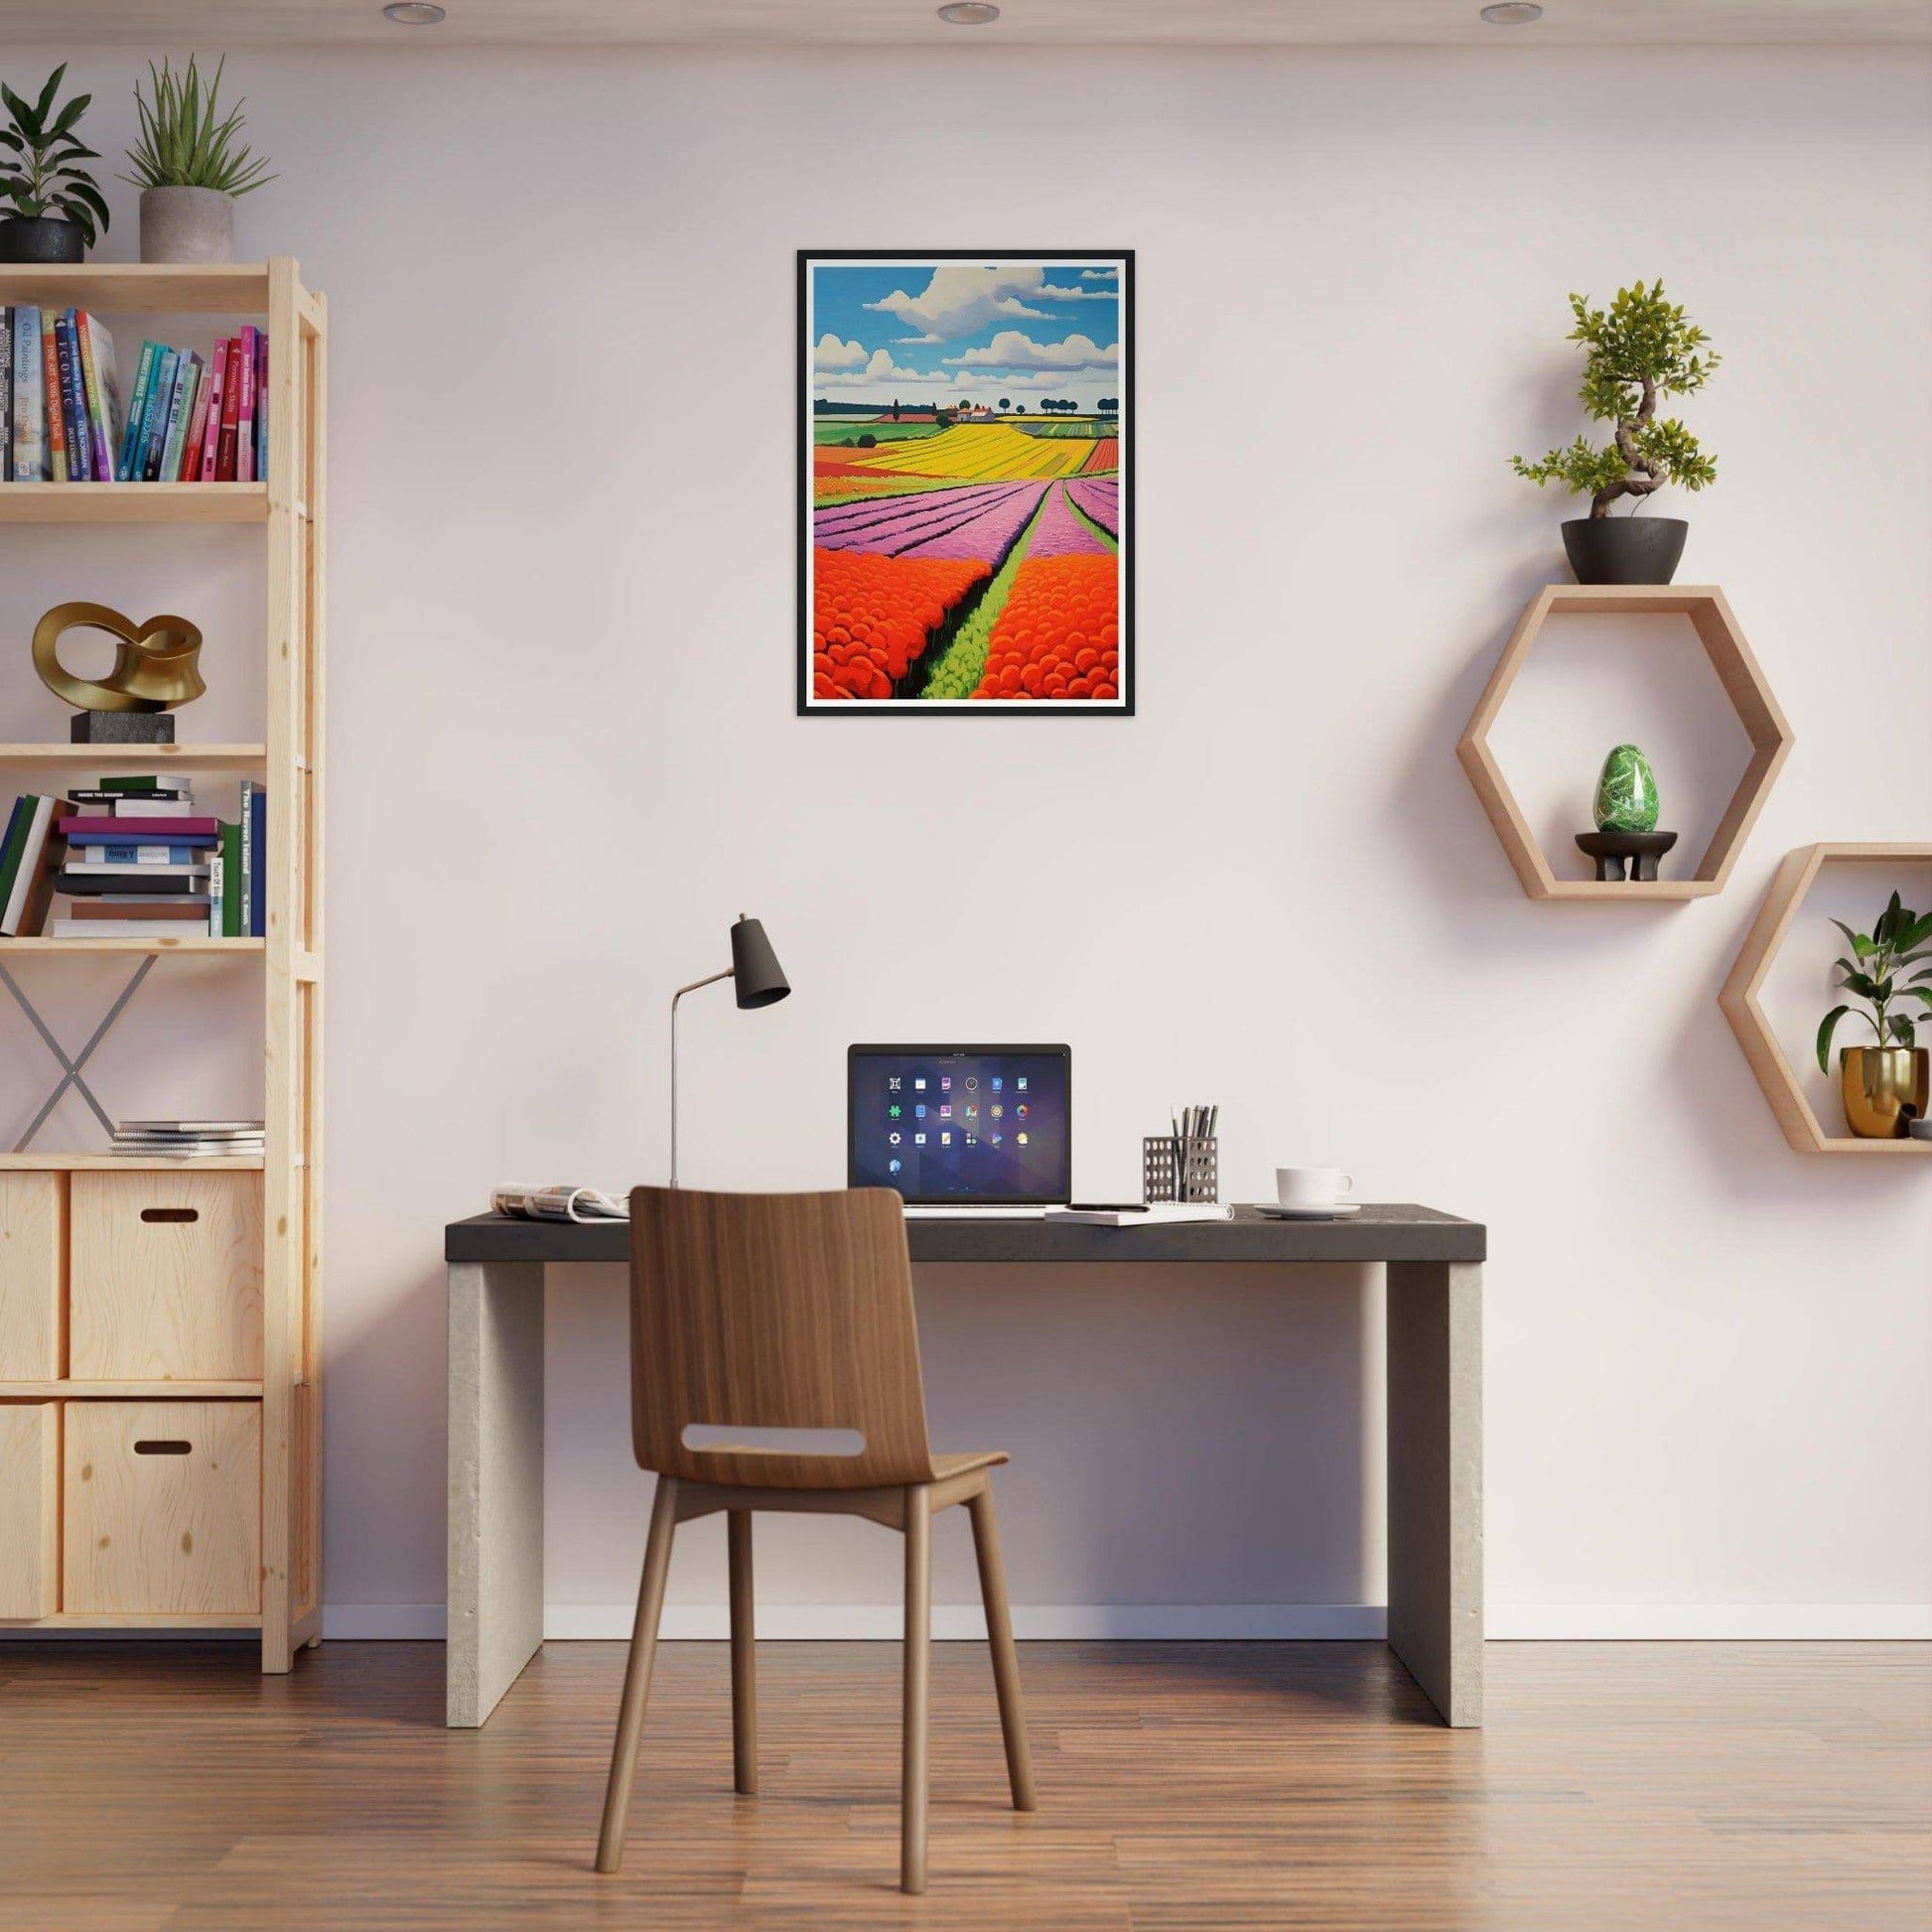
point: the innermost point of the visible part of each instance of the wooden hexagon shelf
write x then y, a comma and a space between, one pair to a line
1737, 671
1775, 1074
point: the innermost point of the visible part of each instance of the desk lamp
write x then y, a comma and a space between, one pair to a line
759, 981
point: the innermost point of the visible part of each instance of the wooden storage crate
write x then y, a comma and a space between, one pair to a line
166, 1277
33, 1273
162, 1507
30, 1510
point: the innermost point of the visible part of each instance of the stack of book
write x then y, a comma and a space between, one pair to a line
140, 863
188, 418
187, 1140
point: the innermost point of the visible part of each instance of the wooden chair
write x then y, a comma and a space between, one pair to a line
794, 1311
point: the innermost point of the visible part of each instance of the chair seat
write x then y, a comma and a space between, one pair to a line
966, 1461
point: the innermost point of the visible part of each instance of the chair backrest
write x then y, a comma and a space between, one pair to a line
776, 1312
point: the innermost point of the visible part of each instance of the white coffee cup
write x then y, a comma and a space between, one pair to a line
1312, 1186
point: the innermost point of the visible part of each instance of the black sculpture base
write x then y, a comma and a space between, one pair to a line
122, 728
1611, 849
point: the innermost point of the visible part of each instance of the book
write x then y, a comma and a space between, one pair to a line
135, 855
224, 454
18, 820
50, 399
187, 377
178, 831
218, 894
1155, 1214
33, 877
73, 408
108, 872
30, 447
232, 882
217, 369
189, 465
143, 881
258, 864
246, 885
154, 431
132, 930
245, 471
102, 381
118, 911
6, 393
261, 405
137, 405
136, 781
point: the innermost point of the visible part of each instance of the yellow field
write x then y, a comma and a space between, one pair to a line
981, 453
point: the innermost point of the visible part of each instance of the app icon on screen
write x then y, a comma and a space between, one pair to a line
918, 1084
1020, 1083
945, 1083
994, 1139
892, 1084
998, 1110
997, 1083
894, 1137
1021, 1137
1020, 1112
893, 1110
970, 1142
893, 1166
972, 1080
945, 1140
918, 1140
945, 1113
918, 1110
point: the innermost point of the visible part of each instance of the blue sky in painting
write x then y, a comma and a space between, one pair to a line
952, 332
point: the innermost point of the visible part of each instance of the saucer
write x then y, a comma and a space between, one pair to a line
1268, 1210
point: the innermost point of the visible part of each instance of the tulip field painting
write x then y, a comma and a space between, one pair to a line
965, 505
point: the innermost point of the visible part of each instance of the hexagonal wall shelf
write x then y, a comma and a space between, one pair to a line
1795, 878
1751, 697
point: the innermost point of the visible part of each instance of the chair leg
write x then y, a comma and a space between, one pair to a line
745, 1668
636, 1675
919, 1687
1005, 1660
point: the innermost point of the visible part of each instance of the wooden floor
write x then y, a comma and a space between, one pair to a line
1181, 1785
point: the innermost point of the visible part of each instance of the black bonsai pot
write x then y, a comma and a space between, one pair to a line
40, 238
1624, 549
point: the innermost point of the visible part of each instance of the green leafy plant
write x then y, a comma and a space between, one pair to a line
184, 143
1900, 938
1638, 350
39, 148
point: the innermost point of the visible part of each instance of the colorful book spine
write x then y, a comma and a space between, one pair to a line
137, 404
6, 394
231, 882
245, 471
137, 855
17, 822
224, 458
218, 892
155, 430
73, 400
178, 411
33, 882
30, 446
218, 370
190, 467
258, 864
261, 405
57, 422
103, 391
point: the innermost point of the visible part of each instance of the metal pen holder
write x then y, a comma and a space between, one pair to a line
1178, 1168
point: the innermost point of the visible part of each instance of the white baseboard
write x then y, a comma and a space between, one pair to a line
1709, 1622
1201, 1622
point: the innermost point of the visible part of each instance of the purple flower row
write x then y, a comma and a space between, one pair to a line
882, 512
991, 535
1060, 533
1100, 499
962, 528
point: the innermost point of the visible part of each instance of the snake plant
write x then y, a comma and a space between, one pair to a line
38, 152
182, 143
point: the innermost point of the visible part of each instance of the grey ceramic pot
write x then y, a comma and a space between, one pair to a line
1624, 549
186, 225
40, 238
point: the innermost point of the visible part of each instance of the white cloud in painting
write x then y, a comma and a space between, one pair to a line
831, 354
903, 339
1100, 274
1048, 293
962, 298
1010, 350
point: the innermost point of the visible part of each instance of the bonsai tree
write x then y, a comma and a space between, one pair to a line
38, 150
1639, 349
1899, 940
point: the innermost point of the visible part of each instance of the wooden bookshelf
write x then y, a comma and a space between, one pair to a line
285, 513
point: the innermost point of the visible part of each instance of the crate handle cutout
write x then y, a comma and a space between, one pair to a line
171, 1213
752, 1441
163, 1447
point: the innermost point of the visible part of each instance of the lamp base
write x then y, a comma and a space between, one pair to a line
121, 728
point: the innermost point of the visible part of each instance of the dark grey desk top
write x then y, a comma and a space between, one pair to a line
1382, 1231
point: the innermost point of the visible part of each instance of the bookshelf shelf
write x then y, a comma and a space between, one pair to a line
197, 942
106, 758
285, 515
133, 502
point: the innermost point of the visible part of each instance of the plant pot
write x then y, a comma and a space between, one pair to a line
40, 238
1885, 1089
186, 225
1624, 549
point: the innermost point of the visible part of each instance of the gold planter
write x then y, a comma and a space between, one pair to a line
1885, 1087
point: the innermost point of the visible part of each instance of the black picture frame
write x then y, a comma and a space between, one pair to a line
802, 626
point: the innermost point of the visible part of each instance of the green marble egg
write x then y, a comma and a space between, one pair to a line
1626, 793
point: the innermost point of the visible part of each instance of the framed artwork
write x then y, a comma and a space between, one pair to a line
965, 481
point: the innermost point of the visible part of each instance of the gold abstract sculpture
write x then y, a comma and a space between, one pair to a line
155, 665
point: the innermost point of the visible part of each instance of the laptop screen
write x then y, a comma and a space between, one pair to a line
965, 1124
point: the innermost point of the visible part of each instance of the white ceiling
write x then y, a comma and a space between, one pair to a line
1025, 23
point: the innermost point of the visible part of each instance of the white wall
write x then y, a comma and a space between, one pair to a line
564, 757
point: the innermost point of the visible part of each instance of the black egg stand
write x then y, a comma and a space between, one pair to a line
1613, 850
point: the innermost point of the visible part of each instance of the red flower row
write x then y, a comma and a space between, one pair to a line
873, 616
1059, 634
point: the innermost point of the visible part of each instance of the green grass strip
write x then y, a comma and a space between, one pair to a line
958, 673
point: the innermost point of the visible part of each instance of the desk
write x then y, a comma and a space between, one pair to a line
1434, 1412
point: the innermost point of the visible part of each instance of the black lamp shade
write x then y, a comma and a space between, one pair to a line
757, 977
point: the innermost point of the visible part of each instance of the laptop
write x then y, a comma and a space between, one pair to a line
962, 1129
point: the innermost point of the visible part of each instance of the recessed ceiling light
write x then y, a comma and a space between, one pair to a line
969, 13
1512, 13
413, 13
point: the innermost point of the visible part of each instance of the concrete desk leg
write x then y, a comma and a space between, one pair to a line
495, 1579
1435, 1323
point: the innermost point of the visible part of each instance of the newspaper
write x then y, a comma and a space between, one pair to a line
557, 1204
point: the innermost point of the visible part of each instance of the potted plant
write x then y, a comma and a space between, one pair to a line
51, 211
1639, 350
189, 169
1884, 1087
